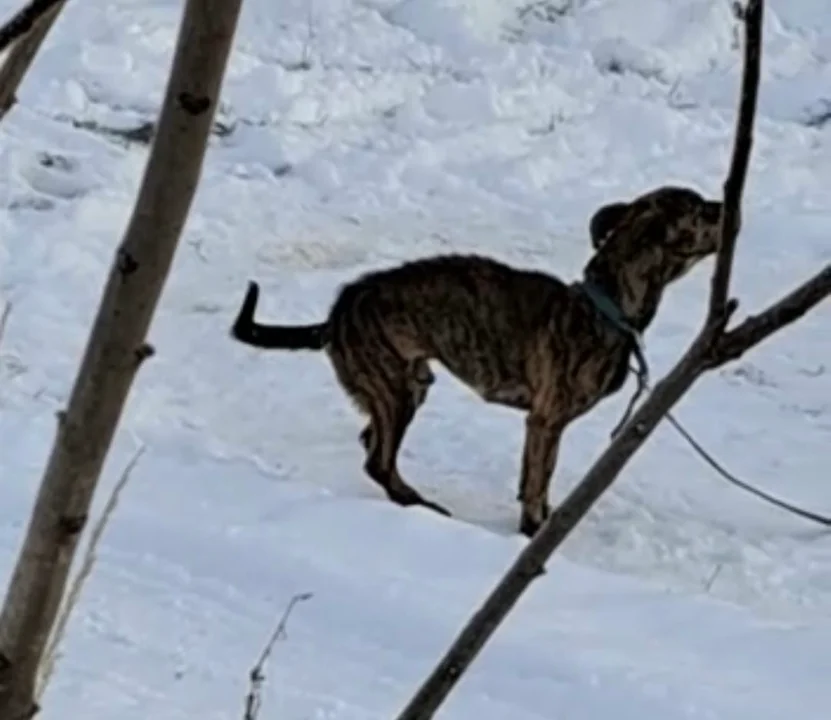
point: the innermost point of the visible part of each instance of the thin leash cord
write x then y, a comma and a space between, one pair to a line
730, 477
612, 313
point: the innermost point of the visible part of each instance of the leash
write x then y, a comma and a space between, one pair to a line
736, 481
741, 484
612, 312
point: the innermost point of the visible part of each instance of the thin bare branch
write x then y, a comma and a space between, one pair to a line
253, 701
753, 17
24, 20
22, 54
50, 655
4, 319
757, 328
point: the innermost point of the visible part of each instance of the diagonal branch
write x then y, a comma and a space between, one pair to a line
734, 185
24, 20
757, 328
23, 53
530, 563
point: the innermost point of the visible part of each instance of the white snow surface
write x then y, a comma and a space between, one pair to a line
360, 133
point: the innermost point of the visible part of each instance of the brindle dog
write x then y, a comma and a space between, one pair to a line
519, 338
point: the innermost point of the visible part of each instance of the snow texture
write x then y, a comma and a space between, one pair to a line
353, 134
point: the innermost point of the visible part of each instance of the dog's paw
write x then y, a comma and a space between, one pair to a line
530, 522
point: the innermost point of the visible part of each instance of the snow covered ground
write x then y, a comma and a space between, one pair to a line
352, 134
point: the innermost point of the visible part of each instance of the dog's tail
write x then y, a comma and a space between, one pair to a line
281, 337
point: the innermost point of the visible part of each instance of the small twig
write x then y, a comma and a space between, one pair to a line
253, 700
4, 319
712, 579
50, 655
306, 62
197, 248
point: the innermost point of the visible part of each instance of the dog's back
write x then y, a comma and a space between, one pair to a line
475, 315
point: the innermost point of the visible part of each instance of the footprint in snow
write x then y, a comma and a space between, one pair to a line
57, 176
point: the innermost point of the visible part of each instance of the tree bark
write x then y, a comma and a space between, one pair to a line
701, 356
736, 176
28, 35
23, 20
115, 349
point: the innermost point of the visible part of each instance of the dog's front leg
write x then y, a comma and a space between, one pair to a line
542, 442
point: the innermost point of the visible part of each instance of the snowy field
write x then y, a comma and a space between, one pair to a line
354, 134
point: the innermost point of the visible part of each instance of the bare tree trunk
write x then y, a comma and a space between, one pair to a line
115, 349
712, 348
30, 32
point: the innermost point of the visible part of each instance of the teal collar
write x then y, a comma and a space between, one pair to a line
612, 312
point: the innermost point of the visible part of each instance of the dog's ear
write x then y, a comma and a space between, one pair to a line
604, 220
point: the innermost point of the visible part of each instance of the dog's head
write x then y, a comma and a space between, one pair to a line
665, 231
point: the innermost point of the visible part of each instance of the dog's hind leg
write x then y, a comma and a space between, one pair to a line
392, 409
388, 389
419, 380
389, 422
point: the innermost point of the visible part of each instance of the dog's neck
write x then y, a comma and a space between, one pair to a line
635, 297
